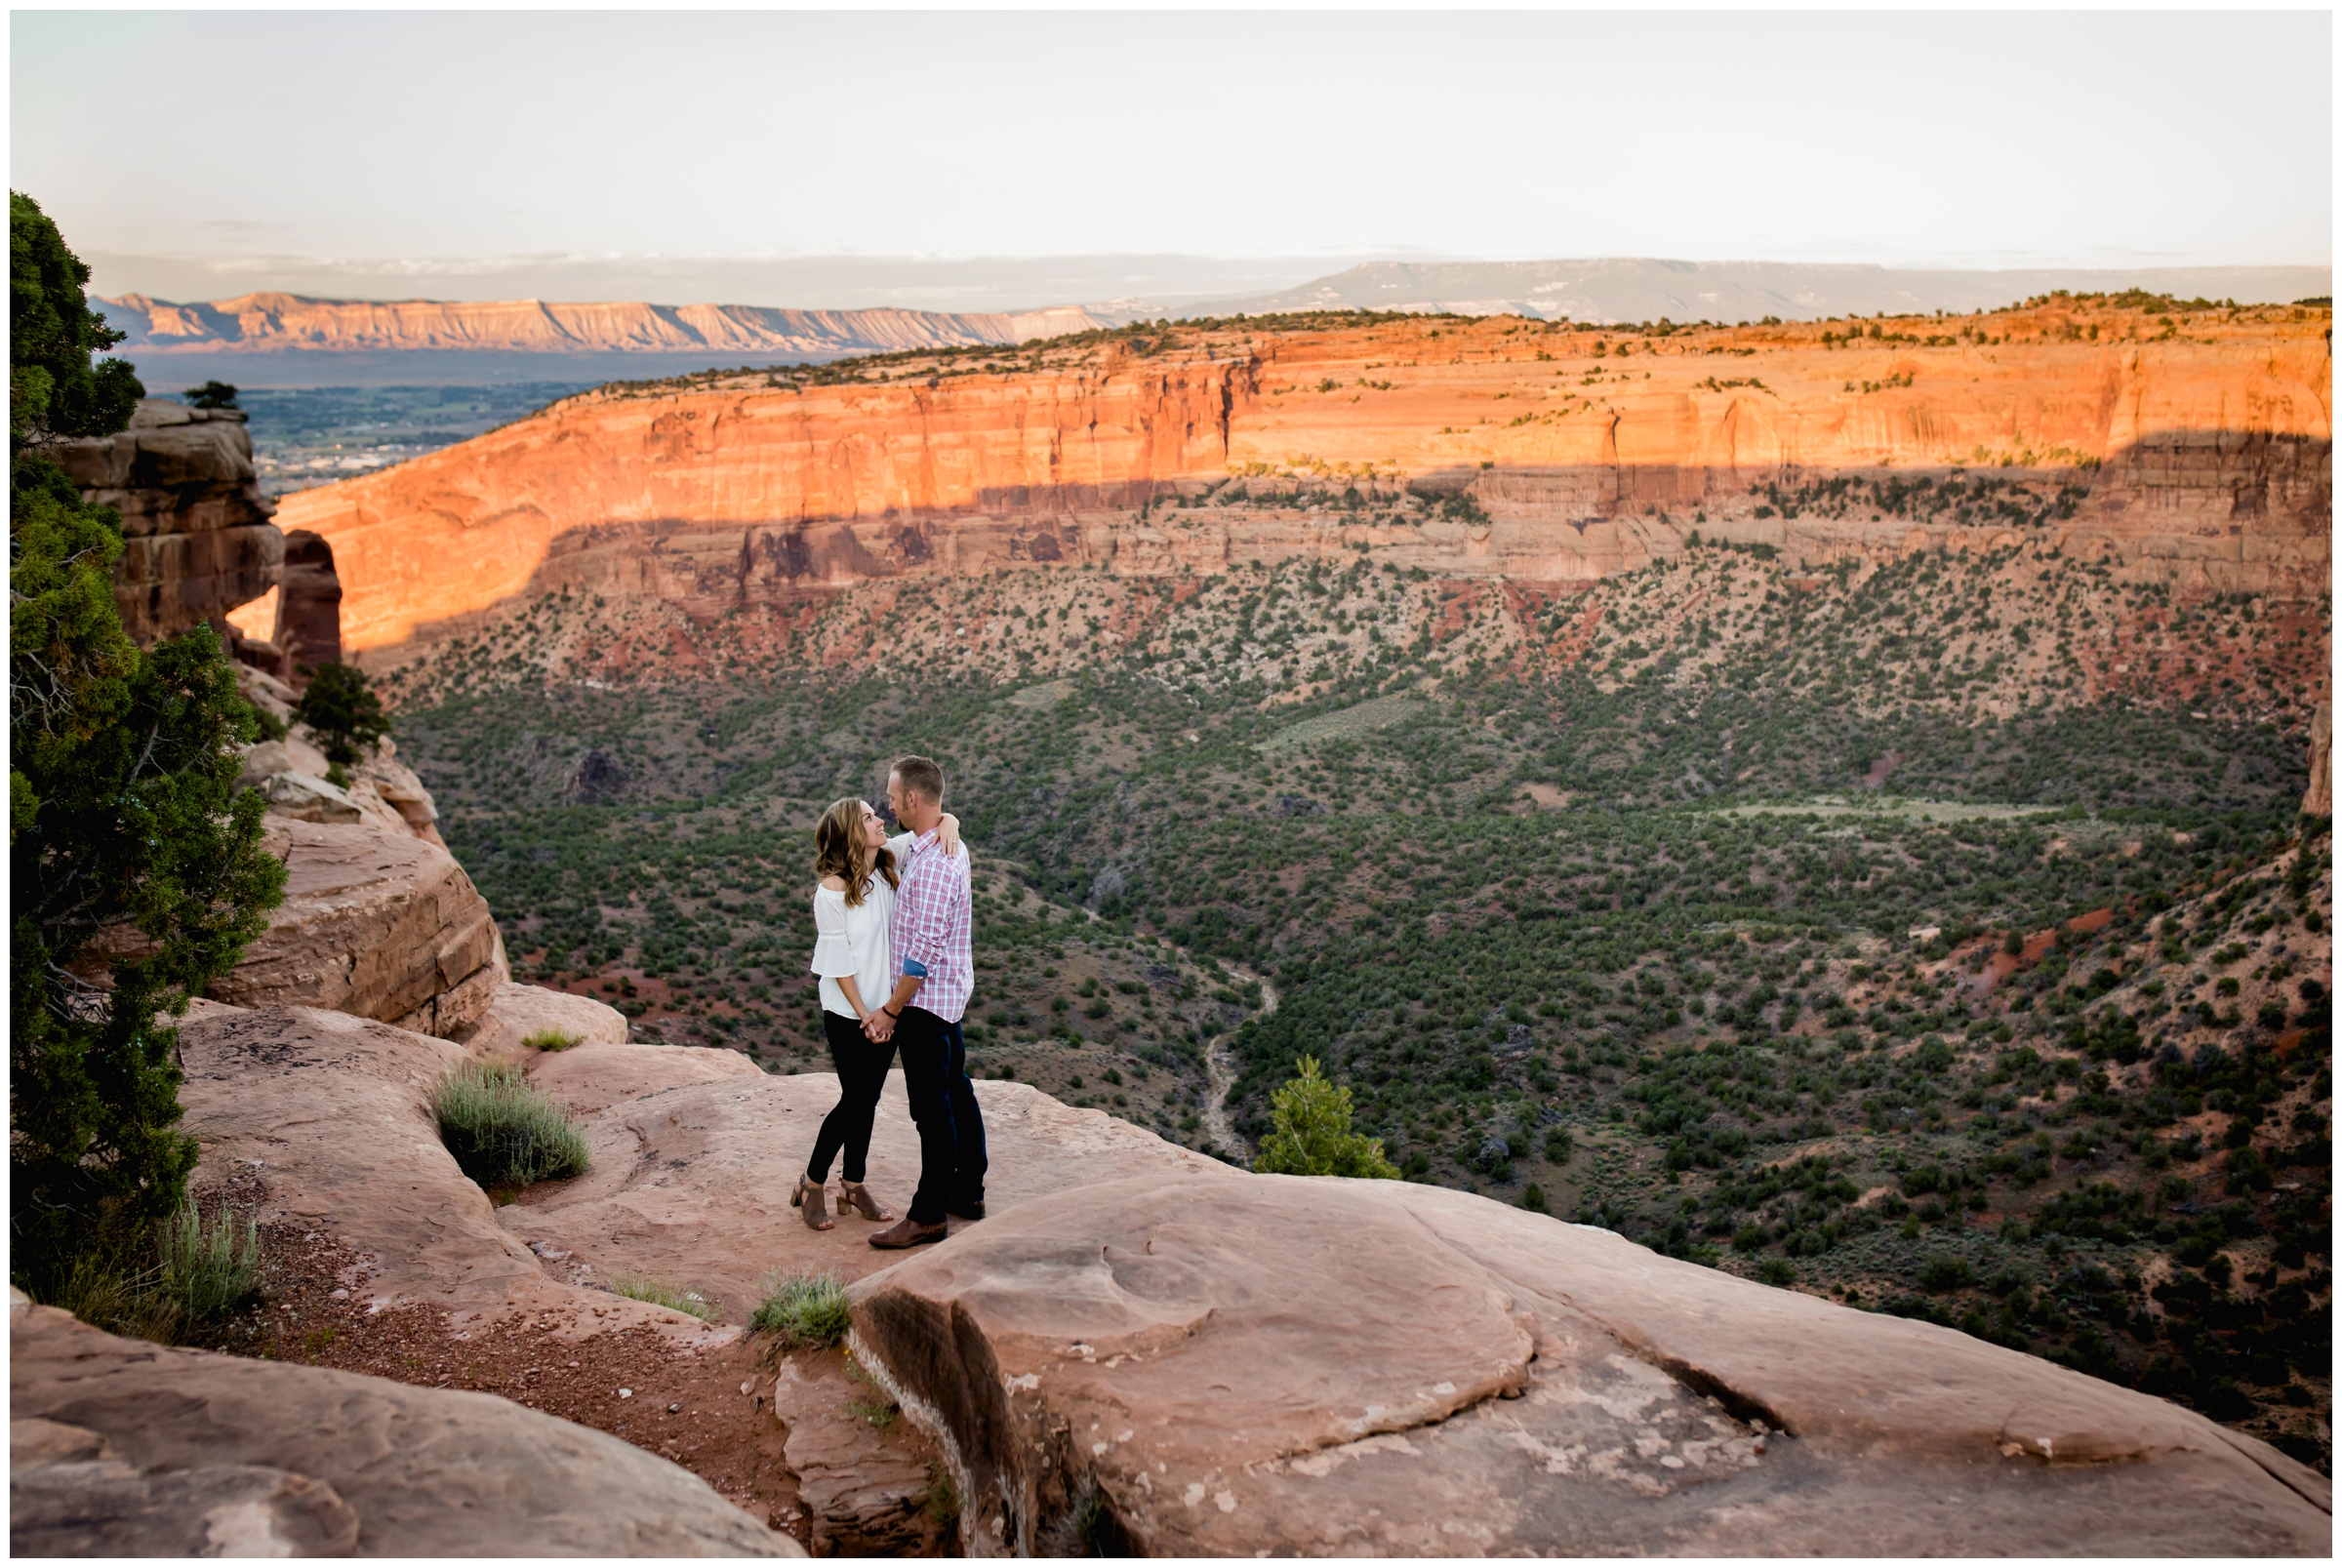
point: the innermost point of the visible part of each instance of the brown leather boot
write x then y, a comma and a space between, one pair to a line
909, 1233
814, 1199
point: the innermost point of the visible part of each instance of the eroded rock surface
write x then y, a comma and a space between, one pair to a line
197, 535
119, 1447
691, 1183
1309, 1366
376, 923
332, 1115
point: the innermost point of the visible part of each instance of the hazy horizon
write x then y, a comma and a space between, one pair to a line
849, 159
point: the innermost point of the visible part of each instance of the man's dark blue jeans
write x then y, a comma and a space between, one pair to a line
943, 1106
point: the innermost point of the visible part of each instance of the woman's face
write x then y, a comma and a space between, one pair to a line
873, 831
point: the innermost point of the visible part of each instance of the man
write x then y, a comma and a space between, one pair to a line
931, 931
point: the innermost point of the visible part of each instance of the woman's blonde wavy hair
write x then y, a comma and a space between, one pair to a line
838, 851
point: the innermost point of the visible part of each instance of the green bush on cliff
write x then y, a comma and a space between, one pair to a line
502, 1131
124, 820
344, 711
1309, 1133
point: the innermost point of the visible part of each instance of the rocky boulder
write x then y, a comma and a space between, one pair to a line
122, 1448
1223, 1364
198, 539
376, 923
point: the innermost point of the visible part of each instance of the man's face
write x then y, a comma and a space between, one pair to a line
894, 795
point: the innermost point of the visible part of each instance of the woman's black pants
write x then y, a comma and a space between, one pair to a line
861, 1073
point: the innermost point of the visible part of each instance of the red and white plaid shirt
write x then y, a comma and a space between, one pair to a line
934, 928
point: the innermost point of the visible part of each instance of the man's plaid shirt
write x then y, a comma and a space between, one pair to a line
934, 927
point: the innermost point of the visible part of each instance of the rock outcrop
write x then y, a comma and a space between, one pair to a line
1229, 1364
521, 1013
375, 923
308, 605
122, 1448
2207, 455
198, 539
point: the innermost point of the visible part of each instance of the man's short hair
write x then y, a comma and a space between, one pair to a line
922, 778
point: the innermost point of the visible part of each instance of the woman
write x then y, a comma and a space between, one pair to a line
851, 911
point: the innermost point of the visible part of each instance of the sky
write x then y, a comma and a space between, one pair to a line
973, 160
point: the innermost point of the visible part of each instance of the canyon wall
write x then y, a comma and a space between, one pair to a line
2204, 458
292, 321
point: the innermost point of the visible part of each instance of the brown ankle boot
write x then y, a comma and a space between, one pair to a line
814, 1198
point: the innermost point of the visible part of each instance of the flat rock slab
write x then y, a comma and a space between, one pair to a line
374, 922
118, 1447
331, 1115
691, 1183
1235, 1364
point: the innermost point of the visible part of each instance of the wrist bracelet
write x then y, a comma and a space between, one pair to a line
890, 1015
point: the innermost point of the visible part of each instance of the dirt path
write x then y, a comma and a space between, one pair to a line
1223, 1072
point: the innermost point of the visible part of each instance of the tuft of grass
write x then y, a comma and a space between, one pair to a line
551, 1038
658, 1293
106, 1290
207, 1267
807, 1310
502, 1131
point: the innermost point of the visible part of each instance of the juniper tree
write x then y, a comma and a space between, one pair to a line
135, 868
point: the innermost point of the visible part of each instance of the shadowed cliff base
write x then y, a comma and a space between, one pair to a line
2182, 513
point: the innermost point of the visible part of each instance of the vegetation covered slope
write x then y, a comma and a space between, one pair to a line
1940, 933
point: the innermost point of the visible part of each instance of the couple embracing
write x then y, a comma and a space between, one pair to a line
892, 947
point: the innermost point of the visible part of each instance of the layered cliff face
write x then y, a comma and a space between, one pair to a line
272, 322
2203, 456
198, 539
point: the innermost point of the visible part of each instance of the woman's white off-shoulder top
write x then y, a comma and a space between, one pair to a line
854, 941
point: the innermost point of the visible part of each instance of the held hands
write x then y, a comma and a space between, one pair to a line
877, 1026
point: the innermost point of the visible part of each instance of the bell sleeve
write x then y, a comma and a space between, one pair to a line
833, 954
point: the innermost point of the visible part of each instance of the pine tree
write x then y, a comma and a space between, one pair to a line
1310, 1132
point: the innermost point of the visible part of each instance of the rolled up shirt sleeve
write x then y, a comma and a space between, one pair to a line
833, 954
927, 916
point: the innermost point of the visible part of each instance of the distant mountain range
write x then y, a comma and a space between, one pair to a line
289, 340
1628, 289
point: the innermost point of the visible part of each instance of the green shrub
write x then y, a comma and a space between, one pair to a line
1310, 1134
658, 1293
551, 1038
502, 1132
1944, 1273
1778, 1271
807, 1310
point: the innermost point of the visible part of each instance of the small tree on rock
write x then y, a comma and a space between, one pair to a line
211, 394
343, 710
1309, 1133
